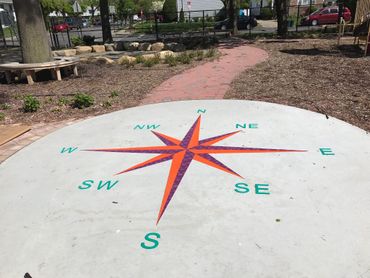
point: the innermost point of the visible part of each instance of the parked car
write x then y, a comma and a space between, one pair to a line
74, 22
60, 27
328, 15
244, 22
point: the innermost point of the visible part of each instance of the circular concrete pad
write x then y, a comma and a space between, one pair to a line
190, 189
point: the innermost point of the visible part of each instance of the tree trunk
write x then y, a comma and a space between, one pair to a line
282, 17
233, 16
104, 14
34, 39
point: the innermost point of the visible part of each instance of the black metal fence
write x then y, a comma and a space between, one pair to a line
159, 26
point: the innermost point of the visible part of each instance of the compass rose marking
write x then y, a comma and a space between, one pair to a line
183, 152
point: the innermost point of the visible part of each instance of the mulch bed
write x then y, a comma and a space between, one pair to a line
113, 87
312, 74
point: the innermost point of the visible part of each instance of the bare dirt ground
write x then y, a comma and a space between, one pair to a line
113, 87
312, 74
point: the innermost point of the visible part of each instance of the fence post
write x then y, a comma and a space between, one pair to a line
156, 26
204, 24
298, 15
250, 22
3, 34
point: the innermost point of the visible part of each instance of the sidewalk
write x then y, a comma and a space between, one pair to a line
210, 80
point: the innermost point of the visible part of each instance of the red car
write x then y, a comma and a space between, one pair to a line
61, 27
328, 15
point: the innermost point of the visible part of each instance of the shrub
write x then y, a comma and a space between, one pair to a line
126, 62
266, 13
199, 55
140, 59
77, 41
182, 16
170, 60
113, 94
81, 100
5, 106
107, 104
30, 104
169, 11
62, 101
150, 62
2, 116
184, 58
88, 40
211, 53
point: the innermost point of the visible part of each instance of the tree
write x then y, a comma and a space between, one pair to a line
281, 7
231, 7
169, 11
104, 15
92, 5
32, 32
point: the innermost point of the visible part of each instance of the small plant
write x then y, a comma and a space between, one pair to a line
140, 59
106, 104
192, 54
157, 58
170, 60
30, 104
199, 55
113, 94
63, 101
211, 53
126, 62
149, 62
2, 116
184, 58
5, 106
76, 41
88, 40
81, 100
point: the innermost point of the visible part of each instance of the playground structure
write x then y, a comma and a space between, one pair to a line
360, 26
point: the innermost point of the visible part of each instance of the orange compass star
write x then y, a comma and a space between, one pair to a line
183, 152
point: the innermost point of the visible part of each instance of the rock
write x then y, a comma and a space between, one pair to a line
84, 59
109, 46
83, 49
120, 46
98, 48
158, 46
165, 53
145, 46
132, 46
101, 60
123, 60
66, 52
148, 56
175, 47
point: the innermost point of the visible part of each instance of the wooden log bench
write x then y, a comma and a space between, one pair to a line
30, 69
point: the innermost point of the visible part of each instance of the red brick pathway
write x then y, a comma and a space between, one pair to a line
210, 80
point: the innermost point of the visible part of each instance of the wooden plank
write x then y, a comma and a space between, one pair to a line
9, 132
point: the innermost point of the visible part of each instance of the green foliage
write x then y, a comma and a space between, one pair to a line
170, 60
184, 58
88, 40
151, 61
182, 16
211, 53
139, 59
30, 104
169, 11
62, 6
199, 55
82, 100
107, 104
77, 41
5, 106
124, 8
266, 13
63, 101
113, 94
2, 116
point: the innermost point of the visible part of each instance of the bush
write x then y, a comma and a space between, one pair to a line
184, 58
62, 101
30, 104
139, 59
170, 60
88, 40
113, 94
81, 100
266, 13
199, 55
76, 41
182, 16
151, 62
169, 11
211, 53
2, 116
5, 106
